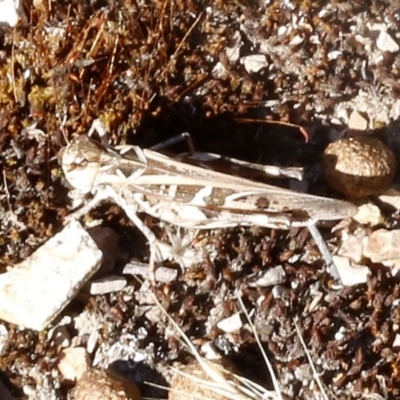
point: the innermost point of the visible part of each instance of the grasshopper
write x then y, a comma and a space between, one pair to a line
188, 196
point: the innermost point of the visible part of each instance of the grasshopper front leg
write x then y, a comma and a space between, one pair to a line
157, 247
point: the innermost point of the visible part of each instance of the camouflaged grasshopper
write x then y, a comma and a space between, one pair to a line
188, 196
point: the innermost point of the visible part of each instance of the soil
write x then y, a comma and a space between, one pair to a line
149, 70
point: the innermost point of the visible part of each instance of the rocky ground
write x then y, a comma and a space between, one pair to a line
223, 71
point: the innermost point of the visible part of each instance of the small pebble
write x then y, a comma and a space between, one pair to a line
382, 245
98, 384
73, 363
108, 284
396, 342
270, 277
231, 324
350, 274
368, 214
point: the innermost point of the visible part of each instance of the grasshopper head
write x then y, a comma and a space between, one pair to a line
80, 164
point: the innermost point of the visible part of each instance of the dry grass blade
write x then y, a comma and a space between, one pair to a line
227, 387
266, 360
218, 379
315, 373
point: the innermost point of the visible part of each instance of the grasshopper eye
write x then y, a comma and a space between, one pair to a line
80, 177
78, 171
77, 164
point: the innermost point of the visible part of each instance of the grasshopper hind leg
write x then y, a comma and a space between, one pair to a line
323, 249
174, 140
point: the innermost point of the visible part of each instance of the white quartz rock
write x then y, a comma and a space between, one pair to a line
35, 291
